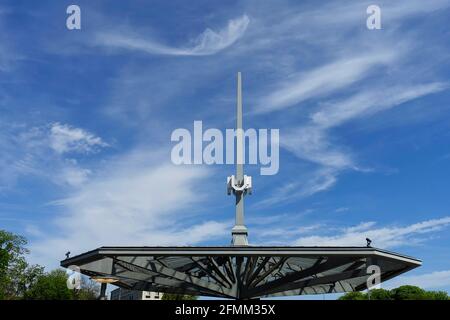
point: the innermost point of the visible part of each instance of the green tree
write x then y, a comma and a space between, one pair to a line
20, 280
53, 286
50, 286
437, 295
355, 295
23, 277
416, 293
174, 296
400, 293
12, 247
16, 275
380, 294
408, 293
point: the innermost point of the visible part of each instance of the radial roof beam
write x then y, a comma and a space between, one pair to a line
160, 269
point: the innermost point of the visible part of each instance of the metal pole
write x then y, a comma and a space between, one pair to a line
239, 154
239, 133
239, 232
102, 291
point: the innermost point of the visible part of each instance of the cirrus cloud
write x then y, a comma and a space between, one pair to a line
384, 237
64, 138
207, 43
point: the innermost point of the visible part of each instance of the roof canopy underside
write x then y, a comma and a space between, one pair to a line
241, 272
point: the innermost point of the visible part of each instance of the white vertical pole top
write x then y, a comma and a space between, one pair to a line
239, 133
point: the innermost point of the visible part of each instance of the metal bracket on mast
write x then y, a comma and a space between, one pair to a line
240, 184
233, 186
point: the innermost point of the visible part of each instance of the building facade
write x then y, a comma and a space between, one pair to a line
124, 294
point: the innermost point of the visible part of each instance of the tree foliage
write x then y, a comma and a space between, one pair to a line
51, 286
356, 295
16, 275
401, 293
20, 280
380, 294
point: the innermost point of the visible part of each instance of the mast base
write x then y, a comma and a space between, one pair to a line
239, 236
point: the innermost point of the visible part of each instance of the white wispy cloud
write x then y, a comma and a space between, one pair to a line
382, 237
314, 182
283, 233
432, 280
72, 174
322, 81
48, 152
347, 14
207, 43
65, 138
356, 77
372, 101
135, 200
312, 141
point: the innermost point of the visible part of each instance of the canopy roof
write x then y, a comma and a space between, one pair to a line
241, 272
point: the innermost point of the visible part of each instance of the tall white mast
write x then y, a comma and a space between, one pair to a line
241, 184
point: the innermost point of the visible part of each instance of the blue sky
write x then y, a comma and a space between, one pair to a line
86, 117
